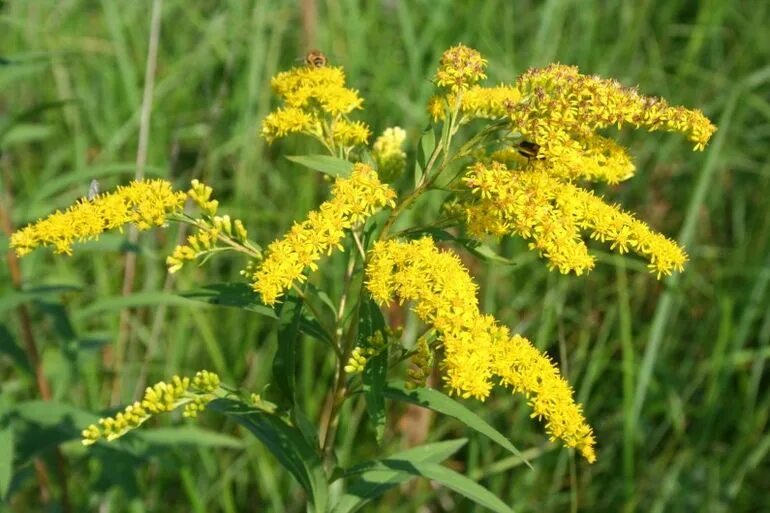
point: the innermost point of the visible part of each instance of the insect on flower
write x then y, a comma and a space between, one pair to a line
315, 59
93, 190
528, 149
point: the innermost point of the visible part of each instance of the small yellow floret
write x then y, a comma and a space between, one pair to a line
460, 67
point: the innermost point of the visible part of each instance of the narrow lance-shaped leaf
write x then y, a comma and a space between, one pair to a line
441, 403
368, 481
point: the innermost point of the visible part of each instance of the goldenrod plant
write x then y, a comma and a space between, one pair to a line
509, 160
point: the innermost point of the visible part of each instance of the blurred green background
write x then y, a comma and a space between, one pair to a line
673, 375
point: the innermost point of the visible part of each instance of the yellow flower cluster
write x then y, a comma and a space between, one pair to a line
460, 67
389, 154
316, 103
475, 347
560, 102
211, 228
162, 397
553, 214
143, 203
353, 200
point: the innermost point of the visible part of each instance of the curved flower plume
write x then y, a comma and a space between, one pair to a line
316, 103
475, 347
353, 200
143, 203
553, 215
193, 394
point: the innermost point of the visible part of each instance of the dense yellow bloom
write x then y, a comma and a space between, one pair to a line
460, 67
475, 347
553, 214
477, 102
145, 204
389, 154
289, 120
526, 370
309, 87
162, 397
559, 102
350, 133
315, 99
353, 200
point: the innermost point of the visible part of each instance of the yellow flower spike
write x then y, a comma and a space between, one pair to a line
526, 370
144, 203
162, 397
561, 102
475, 347
553, 214
460, 67
354, 200
389, 155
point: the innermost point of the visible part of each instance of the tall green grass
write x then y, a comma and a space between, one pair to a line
673, 376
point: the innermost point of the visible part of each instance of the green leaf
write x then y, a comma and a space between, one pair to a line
441, 403
425, 151
427, 145
24, 133
376, 369
284, 361
6, 457
188, 435
51, 413
14, 298
447, 477
326, 164
234, 294
9, 347
368, 482
119, 302
286, 443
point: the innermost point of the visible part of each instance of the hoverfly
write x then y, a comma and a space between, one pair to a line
528, 149
315, 59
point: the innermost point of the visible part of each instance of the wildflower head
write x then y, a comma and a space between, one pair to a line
460, 67
316, 103
162, 397
389, 154
354, 200
143, 203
